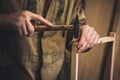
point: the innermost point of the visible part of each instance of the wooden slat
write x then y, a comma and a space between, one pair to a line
113, 55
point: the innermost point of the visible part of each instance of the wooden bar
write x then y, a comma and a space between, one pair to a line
53, 28
113, 55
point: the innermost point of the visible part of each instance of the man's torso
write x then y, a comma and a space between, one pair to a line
27, 51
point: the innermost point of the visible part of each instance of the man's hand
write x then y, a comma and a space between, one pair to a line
21, 21
89, 38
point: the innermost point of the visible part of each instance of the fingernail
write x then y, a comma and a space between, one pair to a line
51, 24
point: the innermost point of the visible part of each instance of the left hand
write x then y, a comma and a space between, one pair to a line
89, 38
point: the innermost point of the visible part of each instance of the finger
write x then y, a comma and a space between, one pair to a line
24, 29
83, 47
20, 31
30, 27
41, 19
85, 31
96, 39
92, 38
79, 51
81, 42
89, 34
88, 46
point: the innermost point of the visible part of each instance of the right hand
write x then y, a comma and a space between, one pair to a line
21, 21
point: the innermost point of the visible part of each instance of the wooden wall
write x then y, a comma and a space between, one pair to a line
104, 16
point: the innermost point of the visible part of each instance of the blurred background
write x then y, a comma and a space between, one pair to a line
104, 16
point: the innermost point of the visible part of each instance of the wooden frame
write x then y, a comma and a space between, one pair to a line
75, 57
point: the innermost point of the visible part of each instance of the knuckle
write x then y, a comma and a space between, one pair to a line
98, 36
82, 48
18, 25
21, 19
92, 29
31, 30
86, 26
25, 13
95, 32
81, 42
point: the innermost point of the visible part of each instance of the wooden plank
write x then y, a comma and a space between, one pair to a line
74, 73
113, 55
